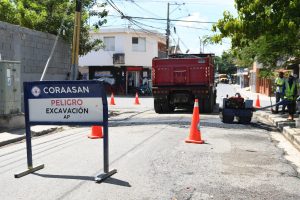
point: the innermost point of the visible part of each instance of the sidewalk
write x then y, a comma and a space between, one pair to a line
11, 136
287, 128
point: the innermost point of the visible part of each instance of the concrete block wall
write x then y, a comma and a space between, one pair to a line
33, 48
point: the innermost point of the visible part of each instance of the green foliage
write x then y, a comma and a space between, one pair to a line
266, 73
7, 12
225, 63
47, 16
265, 31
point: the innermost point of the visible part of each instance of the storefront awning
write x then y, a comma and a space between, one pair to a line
134, 68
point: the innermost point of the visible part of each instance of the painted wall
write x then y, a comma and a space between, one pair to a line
123, 44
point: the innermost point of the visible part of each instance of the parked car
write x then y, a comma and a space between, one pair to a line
223, 78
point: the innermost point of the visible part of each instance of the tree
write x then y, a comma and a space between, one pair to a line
226, 63
47, 16
267, 31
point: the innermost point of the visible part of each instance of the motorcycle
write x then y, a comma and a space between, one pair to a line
144, 90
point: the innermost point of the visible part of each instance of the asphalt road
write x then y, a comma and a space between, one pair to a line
153, 161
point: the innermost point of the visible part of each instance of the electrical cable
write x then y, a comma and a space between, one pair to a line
55, 42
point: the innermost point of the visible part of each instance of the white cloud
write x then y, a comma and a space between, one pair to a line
193, 17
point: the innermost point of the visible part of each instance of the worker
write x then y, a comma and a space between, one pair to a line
298, 90
290, 95
279, 82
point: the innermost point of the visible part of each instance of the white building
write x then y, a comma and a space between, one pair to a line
126, 57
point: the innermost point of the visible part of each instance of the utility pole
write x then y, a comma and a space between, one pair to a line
76, 37
168, 25
200, 44
168, 30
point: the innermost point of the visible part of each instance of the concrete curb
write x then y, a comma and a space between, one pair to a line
39, 131
35, 131
17, 139
287, 128
293, 135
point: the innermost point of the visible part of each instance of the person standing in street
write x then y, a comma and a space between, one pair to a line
290, 95
279, 82
298, 94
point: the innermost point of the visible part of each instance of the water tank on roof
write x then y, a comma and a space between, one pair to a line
10, 87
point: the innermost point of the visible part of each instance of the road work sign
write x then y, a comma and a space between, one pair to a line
66, 103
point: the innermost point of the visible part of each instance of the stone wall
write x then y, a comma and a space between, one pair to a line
33, 48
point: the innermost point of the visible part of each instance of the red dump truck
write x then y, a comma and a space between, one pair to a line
181, 78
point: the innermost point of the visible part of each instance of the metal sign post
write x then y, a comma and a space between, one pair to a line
66, 103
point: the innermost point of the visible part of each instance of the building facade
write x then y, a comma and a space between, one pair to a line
124, 64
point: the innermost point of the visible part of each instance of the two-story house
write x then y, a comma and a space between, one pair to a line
125, 62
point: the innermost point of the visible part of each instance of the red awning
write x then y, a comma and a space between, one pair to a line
134, 68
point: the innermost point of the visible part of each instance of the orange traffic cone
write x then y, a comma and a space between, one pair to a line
112, 99
137, 102
195, 133
96, 132
257, 103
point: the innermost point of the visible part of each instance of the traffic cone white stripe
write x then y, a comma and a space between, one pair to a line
196, 104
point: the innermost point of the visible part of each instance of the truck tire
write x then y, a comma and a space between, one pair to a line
244, 120
215, 97
171, 108
157, 106
165, 107
201, 106
227, 119
208, 105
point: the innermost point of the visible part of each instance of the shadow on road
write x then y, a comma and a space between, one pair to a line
86, 178
110, 180
115, 181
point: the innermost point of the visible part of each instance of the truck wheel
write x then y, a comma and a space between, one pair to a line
244, 120
208, 105
171, 108
215, 97
211, 104
227, 119
165, 107
201, 106
157, 106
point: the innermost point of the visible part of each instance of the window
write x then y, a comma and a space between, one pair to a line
109, 43
135, 40
139, 44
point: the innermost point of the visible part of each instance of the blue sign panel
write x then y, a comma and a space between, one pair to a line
65, 102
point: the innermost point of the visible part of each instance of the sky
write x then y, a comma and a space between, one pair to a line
188, 34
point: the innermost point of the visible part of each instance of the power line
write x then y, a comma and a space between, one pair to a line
205, 29
173, 2
143, 8
176, 20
